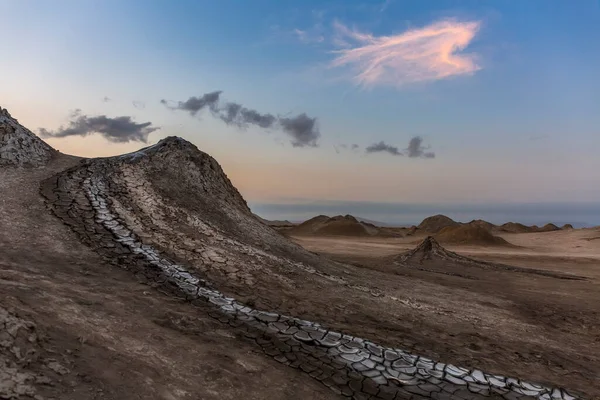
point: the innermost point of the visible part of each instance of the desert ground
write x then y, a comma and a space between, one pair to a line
527, 324
124, 278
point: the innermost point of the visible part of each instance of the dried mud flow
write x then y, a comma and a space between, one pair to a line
169, 215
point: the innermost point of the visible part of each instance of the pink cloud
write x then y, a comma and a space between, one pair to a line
417, 55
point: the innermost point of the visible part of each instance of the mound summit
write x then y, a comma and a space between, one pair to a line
340, 225
436, 223
469, 235
19, 146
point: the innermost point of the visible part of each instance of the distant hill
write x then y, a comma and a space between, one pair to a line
488, 226
376, 223
469, 234
274, 222
436, 223
549, 228
340, 225
515, 227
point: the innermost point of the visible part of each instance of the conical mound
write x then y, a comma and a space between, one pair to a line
19, 146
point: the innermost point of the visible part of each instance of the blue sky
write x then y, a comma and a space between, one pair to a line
506, 94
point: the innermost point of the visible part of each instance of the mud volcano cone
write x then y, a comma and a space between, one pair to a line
19, 147
428, 249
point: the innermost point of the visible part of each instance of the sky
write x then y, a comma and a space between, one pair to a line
368, 102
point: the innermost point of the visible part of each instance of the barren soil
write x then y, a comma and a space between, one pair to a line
116, 338
519, 323
93, 320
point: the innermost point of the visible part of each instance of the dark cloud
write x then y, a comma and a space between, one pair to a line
140, 105
354, 147
383, 147
193, 105
118, 129
415, 149
106, 99
236, 114
302, 129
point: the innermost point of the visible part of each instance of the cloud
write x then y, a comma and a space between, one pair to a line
118, 129
302, 129
236, 114
314, 32
193, 105
417, 55
345, 146
140, 105
309, 36
415, 149
383, 147
385, 5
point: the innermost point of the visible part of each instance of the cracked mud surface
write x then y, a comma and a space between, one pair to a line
118, 338
216, 266
120, 208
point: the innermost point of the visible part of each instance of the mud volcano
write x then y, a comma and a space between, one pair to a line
19, 146
431, 256
119, 207
169, 216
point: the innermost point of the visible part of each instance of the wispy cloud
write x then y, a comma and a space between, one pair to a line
417, 55
415, 149
117, 129
315, 32
308, 36
140, 105
343, 146
385, 5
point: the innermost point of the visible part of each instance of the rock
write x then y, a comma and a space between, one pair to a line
57, 367
19, 146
